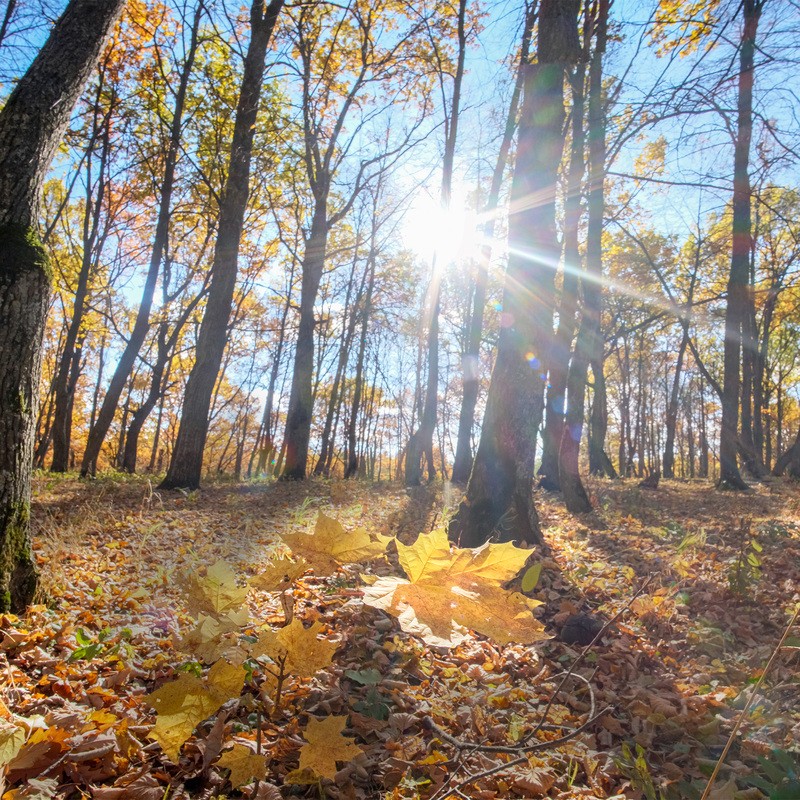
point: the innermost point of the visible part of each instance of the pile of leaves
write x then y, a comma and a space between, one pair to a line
326, 640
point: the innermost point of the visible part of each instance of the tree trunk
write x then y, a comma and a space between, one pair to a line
301, 396
556, 397
141, 326
69, 365
672, 407
462, 464
351, 468
738, 280
589, 346
349, 322
499, 499
186, 465
421, 442
31, 125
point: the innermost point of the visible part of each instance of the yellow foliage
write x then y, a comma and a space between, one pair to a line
184, 703
12, 737
331, 545
216, 592
460, 588
244, 764
326, 745
279, 574
302, 652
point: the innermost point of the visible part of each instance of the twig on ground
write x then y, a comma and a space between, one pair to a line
743, 712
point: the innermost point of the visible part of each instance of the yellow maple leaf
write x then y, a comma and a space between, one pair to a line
206, 640
331, 545
326, 745
429, 554
244, 764
216, 592
304, 651
12, 737
492, 562
279, 574
184, 703
447, 589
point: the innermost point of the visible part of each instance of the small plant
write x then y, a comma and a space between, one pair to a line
104, 643
636, 769
779, 775
745, 571
692, 540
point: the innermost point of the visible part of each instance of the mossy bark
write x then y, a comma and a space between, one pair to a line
24, 293
32, 122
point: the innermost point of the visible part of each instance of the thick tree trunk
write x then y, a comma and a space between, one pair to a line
141, 326
599, 461
186, 466
499, 501
738, 280
462, 464
790, 460
31, 125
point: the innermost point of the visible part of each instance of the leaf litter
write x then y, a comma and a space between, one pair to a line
162, 664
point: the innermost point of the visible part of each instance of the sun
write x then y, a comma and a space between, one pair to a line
449, 234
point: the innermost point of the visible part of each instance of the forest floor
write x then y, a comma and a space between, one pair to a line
673, 672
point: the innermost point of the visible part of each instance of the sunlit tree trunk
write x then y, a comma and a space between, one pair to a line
31, 125
499, 498
462, 464
186, 465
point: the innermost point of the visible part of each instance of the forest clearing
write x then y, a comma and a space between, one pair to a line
670, 676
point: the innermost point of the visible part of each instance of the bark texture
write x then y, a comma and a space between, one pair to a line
499, 500
31, 124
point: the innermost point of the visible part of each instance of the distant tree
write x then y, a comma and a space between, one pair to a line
420, 443
31, 125
158, 252
351, 68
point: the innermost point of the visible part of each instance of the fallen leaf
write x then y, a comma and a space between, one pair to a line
326, 745
245, 765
